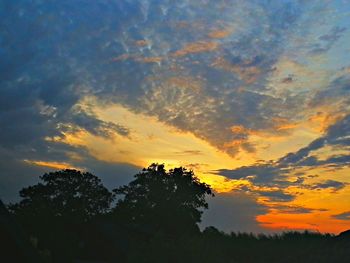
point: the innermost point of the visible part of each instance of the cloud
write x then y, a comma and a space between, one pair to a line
98, 127
293, 209
189, 152
260, 173
338, 90
342, 216
61, 64
196, 47
276, 173
232, 212
336, 135
219, 33
287, 80
221, 102
51, 165
328, 40
277, 196
300, 155
17, 173
335, 185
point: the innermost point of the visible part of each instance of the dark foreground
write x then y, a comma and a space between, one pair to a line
110, 243
71, 217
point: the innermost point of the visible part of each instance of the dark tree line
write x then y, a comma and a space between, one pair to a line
70, 215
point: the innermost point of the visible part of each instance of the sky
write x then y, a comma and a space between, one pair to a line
252, 95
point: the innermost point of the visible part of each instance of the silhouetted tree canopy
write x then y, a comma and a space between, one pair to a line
57, 211
68, 193
170, 202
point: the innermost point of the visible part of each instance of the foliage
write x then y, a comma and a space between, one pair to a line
67, 193
57, 209
169, 202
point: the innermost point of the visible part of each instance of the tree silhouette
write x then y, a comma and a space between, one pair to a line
166, 202
57, 210
65, 194
68, 217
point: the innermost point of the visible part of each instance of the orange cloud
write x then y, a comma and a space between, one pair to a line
321, 120
149, 59
282, 124
122, 57
141, 43
196, 47
137, 58
239, 129
219, 33
54, 165
234, 143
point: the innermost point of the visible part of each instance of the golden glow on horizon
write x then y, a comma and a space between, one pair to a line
153, 141
316, 221
324, 204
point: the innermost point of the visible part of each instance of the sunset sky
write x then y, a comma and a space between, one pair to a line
252, 95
